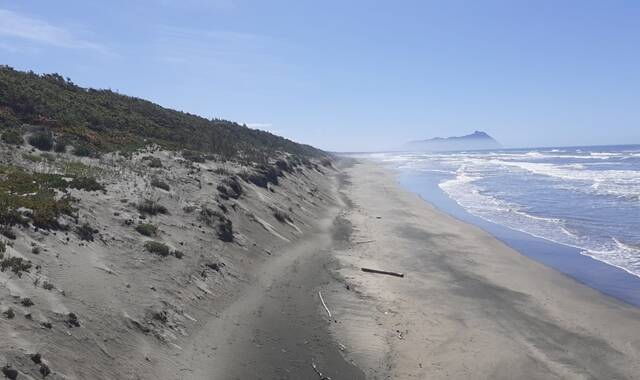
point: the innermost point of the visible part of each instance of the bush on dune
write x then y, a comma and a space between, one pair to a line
146, 229
41, 140
12, 137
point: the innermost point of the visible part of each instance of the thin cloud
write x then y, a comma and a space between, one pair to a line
220, 51
17, 25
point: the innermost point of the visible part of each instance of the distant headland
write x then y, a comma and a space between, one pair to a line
475, 140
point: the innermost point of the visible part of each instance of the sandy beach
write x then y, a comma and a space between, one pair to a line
286, 299
469, 307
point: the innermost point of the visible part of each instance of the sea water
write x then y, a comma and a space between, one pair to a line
582, 197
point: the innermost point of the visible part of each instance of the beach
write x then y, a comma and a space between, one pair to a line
287, 297
468, 305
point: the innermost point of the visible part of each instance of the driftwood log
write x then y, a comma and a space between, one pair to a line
324, 304
369, 270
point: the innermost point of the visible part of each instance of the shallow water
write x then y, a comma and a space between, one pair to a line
575, 209
583, 197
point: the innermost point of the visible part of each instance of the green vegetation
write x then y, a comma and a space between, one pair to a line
85, 232
147, 229
7, 232
150, 207
9, 313
16, 264
84, 150
60, 147
154, 162
234, 189
32, 197
26, 197
12, 137
157, 248
222, 224
86, 184
160, 184
42, 140
104, 121
282, 216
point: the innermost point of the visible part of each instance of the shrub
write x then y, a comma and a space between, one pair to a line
84, 151
60, 147
147, 229
155, 162
222, 190
284, 166
192, 156
215, 266
3, 248
224, 230
149, 207
16, 264
160, 184
209, 216
264, 175
221, 171
12, 137
223, 225
7, 232
177, 254
157, 248
26, 196
281, 216
85, 183
41, 140
86, 232
9, 313
234, 186
26, 302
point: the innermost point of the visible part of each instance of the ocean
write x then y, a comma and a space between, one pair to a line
583, 198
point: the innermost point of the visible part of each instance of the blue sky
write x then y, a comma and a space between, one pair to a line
354, 75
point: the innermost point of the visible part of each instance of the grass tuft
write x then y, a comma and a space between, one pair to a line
147, 229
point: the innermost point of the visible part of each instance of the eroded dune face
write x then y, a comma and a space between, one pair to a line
112, 265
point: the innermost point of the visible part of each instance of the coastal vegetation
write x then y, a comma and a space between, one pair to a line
95, 121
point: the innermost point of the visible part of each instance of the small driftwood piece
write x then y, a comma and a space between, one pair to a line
324, 304
317, 371
369, 270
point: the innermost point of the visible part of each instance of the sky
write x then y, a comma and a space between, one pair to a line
354, 75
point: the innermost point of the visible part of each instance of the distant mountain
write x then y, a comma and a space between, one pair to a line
476, 140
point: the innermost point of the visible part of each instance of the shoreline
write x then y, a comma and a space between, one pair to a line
469, 306
602, 276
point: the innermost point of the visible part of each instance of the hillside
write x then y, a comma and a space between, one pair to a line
475, 140
126, 228
104, 121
